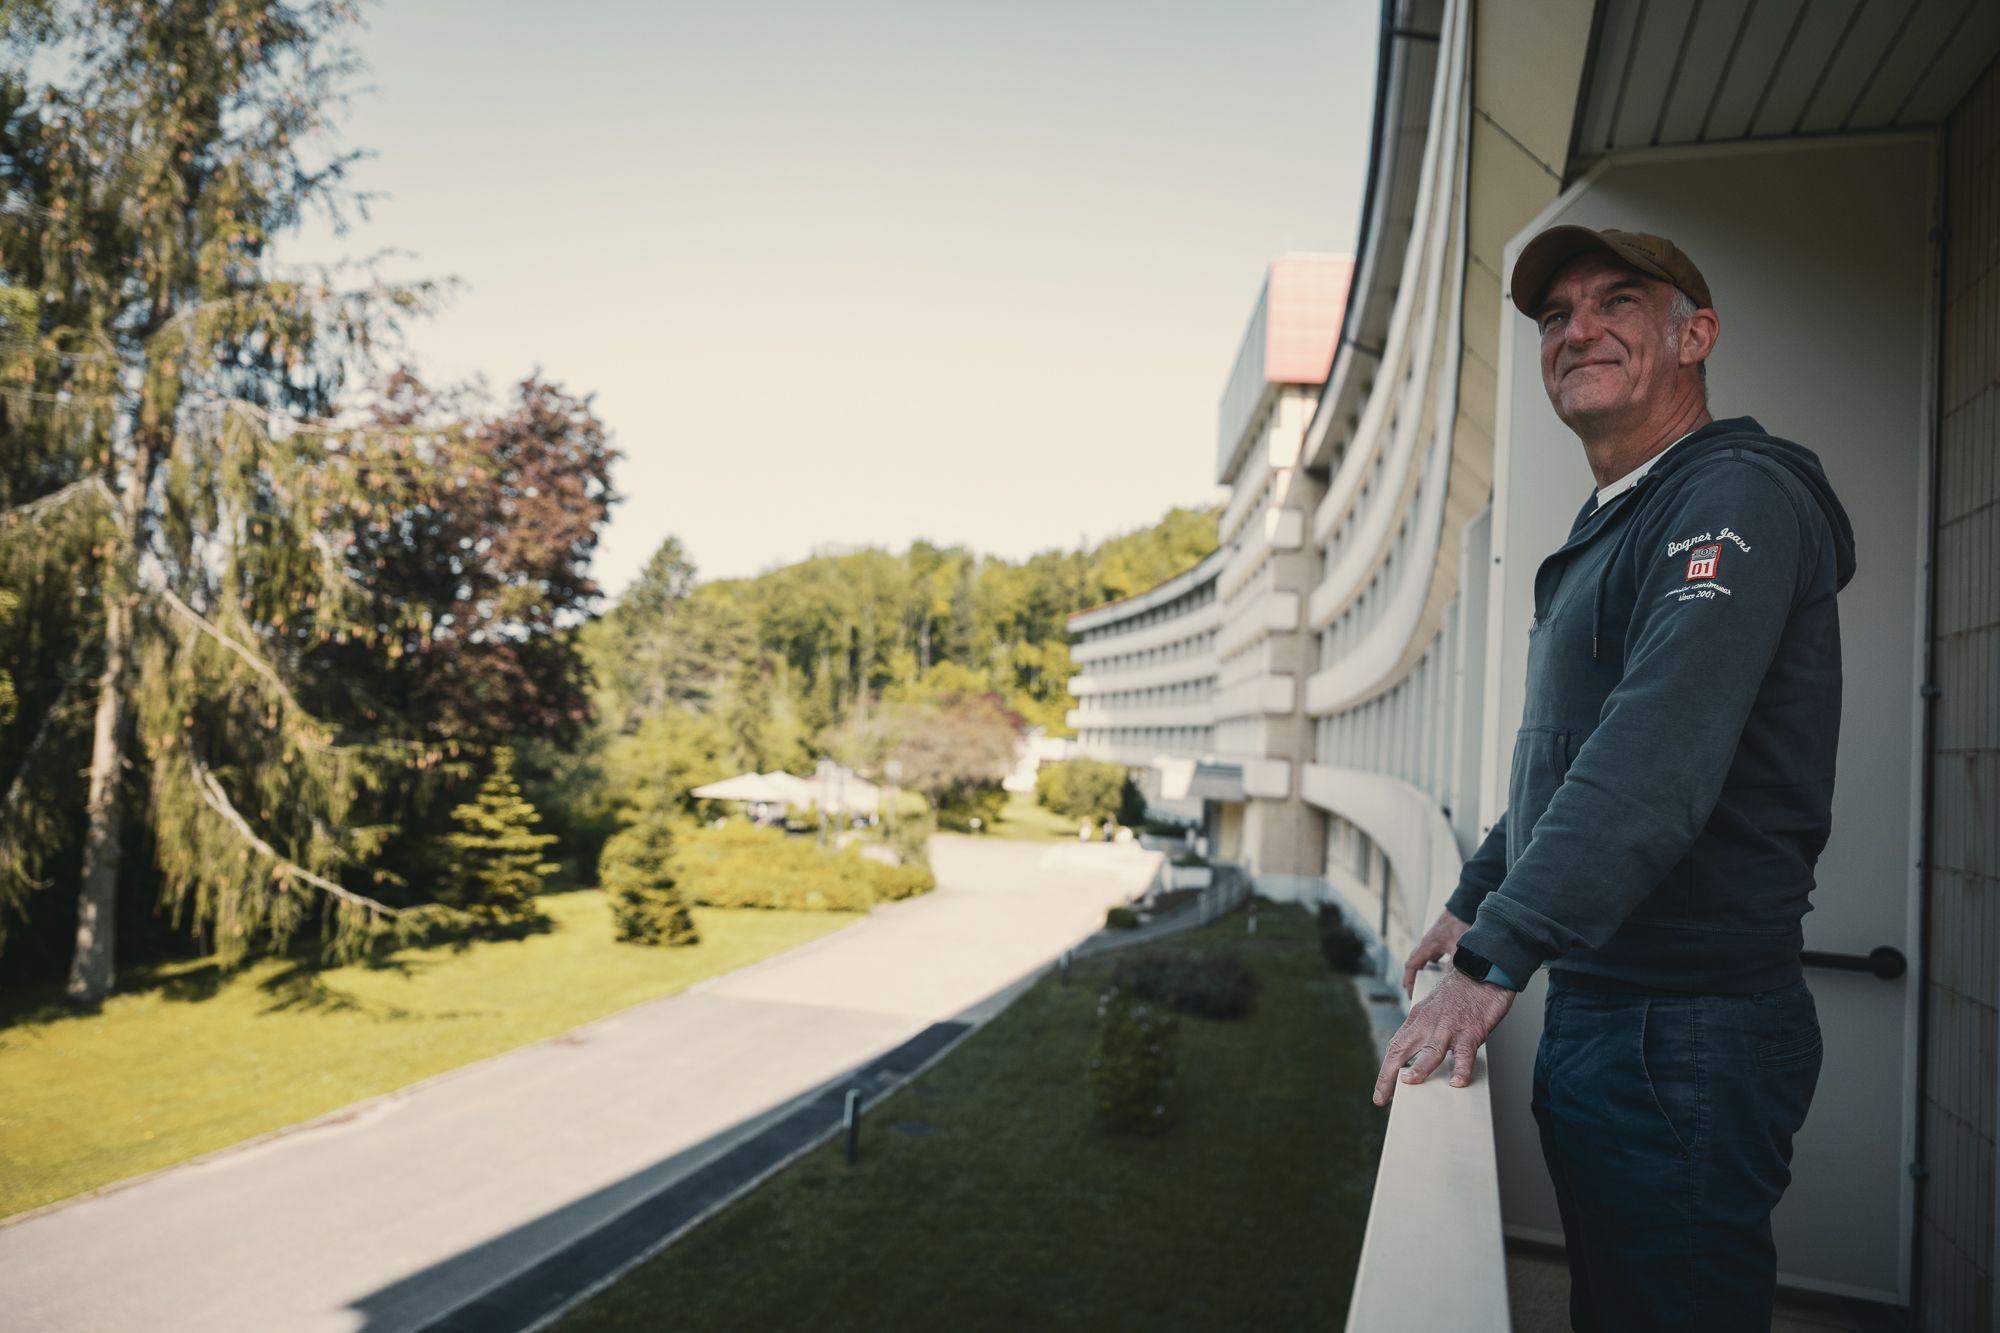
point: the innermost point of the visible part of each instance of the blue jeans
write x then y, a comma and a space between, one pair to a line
1667, 1124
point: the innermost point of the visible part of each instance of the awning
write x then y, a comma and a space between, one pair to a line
1176, 779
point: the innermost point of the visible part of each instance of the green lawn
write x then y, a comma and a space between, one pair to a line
187, 1058
1007, 1208
1026, 821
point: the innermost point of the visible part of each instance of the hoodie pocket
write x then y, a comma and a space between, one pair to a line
1541, 762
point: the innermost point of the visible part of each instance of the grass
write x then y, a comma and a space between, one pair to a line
1026, 821
188, 1058
1000, 1205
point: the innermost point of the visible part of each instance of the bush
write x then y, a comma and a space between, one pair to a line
895, 883
1204, 984
637, 872
908, 834
495, 853
1121, 918
1344, 948
957, 808
741, 865
1092, 789
1132, 1067
1186, 859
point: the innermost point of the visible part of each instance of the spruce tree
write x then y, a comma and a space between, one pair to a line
646, 903
496, 853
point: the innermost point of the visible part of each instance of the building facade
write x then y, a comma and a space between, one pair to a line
1832, 167
1197, 684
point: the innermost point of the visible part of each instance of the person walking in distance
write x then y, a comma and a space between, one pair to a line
1670, 793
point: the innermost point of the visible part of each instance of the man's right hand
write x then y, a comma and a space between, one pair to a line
1439, 940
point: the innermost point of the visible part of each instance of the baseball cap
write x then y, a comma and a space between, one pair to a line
1655, 256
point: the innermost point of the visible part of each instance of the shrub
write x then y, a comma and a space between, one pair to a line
1121, 918
908, 834
1092, 789
1132, 1067
958, 807
895, 883
637, 872
1344, 948
1191, 859
1204, 984
495, 853
741, 865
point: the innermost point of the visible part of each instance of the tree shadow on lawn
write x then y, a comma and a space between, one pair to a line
298, 986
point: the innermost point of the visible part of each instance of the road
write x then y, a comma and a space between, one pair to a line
392, 1212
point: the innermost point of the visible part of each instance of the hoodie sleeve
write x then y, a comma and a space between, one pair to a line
1719, 571
1482, 873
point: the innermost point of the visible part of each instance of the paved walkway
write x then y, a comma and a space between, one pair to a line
397, 1210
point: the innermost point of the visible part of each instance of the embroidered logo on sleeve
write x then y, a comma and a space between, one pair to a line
1704, 564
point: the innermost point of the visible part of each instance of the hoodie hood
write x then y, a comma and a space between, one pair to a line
1744, 433
1686, 455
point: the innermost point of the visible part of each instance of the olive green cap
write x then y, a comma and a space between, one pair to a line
1655, 256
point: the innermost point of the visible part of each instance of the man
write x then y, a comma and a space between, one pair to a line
1671, 791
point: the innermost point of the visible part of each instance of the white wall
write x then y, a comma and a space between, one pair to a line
1818, 257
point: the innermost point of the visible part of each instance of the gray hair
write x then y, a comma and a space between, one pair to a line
1677, 315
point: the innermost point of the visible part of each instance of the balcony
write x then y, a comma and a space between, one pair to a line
1172, 630
1256, 697
1272, 613
1179, 671
1193, 714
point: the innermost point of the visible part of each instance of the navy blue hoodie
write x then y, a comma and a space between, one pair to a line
1672, 782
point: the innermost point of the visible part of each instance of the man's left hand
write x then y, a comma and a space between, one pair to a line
1457, 1016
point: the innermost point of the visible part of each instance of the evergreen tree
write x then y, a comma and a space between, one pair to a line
636, 870
165, 397
496, 852
9, 605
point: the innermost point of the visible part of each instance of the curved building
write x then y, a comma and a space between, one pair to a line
1835, 169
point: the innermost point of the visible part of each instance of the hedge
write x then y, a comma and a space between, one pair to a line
742, 865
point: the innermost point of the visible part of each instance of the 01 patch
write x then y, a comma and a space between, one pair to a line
1702, 562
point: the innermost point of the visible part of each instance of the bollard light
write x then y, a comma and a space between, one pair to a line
853, 1123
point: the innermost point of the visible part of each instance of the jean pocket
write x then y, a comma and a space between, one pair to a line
1793, 1050
1671, 1087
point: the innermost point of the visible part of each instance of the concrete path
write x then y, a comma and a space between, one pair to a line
391, 1213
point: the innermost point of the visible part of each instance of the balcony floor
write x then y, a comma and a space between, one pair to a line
1538, 1292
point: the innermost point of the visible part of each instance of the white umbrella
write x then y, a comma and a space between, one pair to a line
756, 787
795, 791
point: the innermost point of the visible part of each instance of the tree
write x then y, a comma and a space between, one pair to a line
636, 870
171, 399
761, 719
9, 605
473, 543
956, 752
1085, 789
496, 853
668, 642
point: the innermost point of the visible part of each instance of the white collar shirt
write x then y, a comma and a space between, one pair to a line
1607, 493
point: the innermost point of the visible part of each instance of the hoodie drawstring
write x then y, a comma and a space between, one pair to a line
1604, 574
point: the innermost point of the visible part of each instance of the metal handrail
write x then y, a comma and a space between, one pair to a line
1885, 961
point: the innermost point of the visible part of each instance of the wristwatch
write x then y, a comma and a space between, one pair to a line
1474, 965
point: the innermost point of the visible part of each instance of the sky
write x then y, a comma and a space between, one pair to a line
847, 274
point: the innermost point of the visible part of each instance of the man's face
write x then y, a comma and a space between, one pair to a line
1608, 344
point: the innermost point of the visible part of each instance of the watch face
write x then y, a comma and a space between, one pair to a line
1471, 964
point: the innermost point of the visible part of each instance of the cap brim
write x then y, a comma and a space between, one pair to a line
1541, 257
